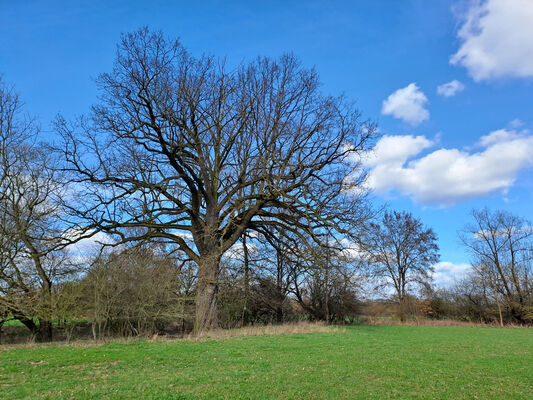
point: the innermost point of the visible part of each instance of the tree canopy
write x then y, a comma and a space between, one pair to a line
194, 152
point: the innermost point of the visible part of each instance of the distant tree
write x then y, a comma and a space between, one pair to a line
324, 282
286, 277
402, 251
134, 291
273, 268
33, 232
462, 301
188, 148
501, 246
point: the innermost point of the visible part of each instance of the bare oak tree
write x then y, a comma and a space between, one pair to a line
189, 148
401, 250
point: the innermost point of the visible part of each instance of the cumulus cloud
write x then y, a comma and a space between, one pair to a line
447, 273
447, 176
496, 39
394, 150
407, 104
450, 89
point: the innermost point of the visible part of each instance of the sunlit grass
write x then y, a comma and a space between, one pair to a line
363, 362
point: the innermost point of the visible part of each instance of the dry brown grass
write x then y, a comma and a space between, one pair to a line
436, 322
217, 334
260, 330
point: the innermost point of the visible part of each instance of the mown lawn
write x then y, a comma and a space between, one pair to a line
363, 362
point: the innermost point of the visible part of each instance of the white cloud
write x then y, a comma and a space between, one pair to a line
516, 123
450, 89
447, 273
236, 252
447, 176
499, 136
497, 39
407, 104
88, 247
350, 249
393, 150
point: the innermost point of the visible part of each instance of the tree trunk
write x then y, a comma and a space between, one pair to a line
44, 333
279, 314
246, 280
326, 283
206, 294
246, 266
516, 312
500, 313
402, 308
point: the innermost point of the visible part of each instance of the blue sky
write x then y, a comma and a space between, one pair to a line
441, 155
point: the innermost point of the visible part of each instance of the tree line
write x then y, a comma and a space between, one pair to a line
226, 196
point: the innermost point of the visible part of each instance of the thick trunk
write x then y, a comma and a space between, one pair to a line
517, 313
41, 332
279, 314
45, 331
206, 294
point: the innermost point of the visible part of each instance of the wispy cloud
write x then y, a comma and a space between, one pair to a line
450, 89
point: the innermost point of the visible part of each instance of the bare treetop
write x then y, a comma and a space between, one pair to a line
501, 246
403, 251
183, 144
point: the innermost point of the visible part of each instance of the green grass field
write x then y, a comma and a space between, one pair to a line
363, 362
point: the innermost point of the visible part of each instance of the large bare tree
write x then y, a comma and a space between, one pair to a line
501, 245
403, 251
197, 153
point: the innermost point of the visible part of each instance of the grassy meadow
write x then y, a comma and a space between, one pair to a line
361, 362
